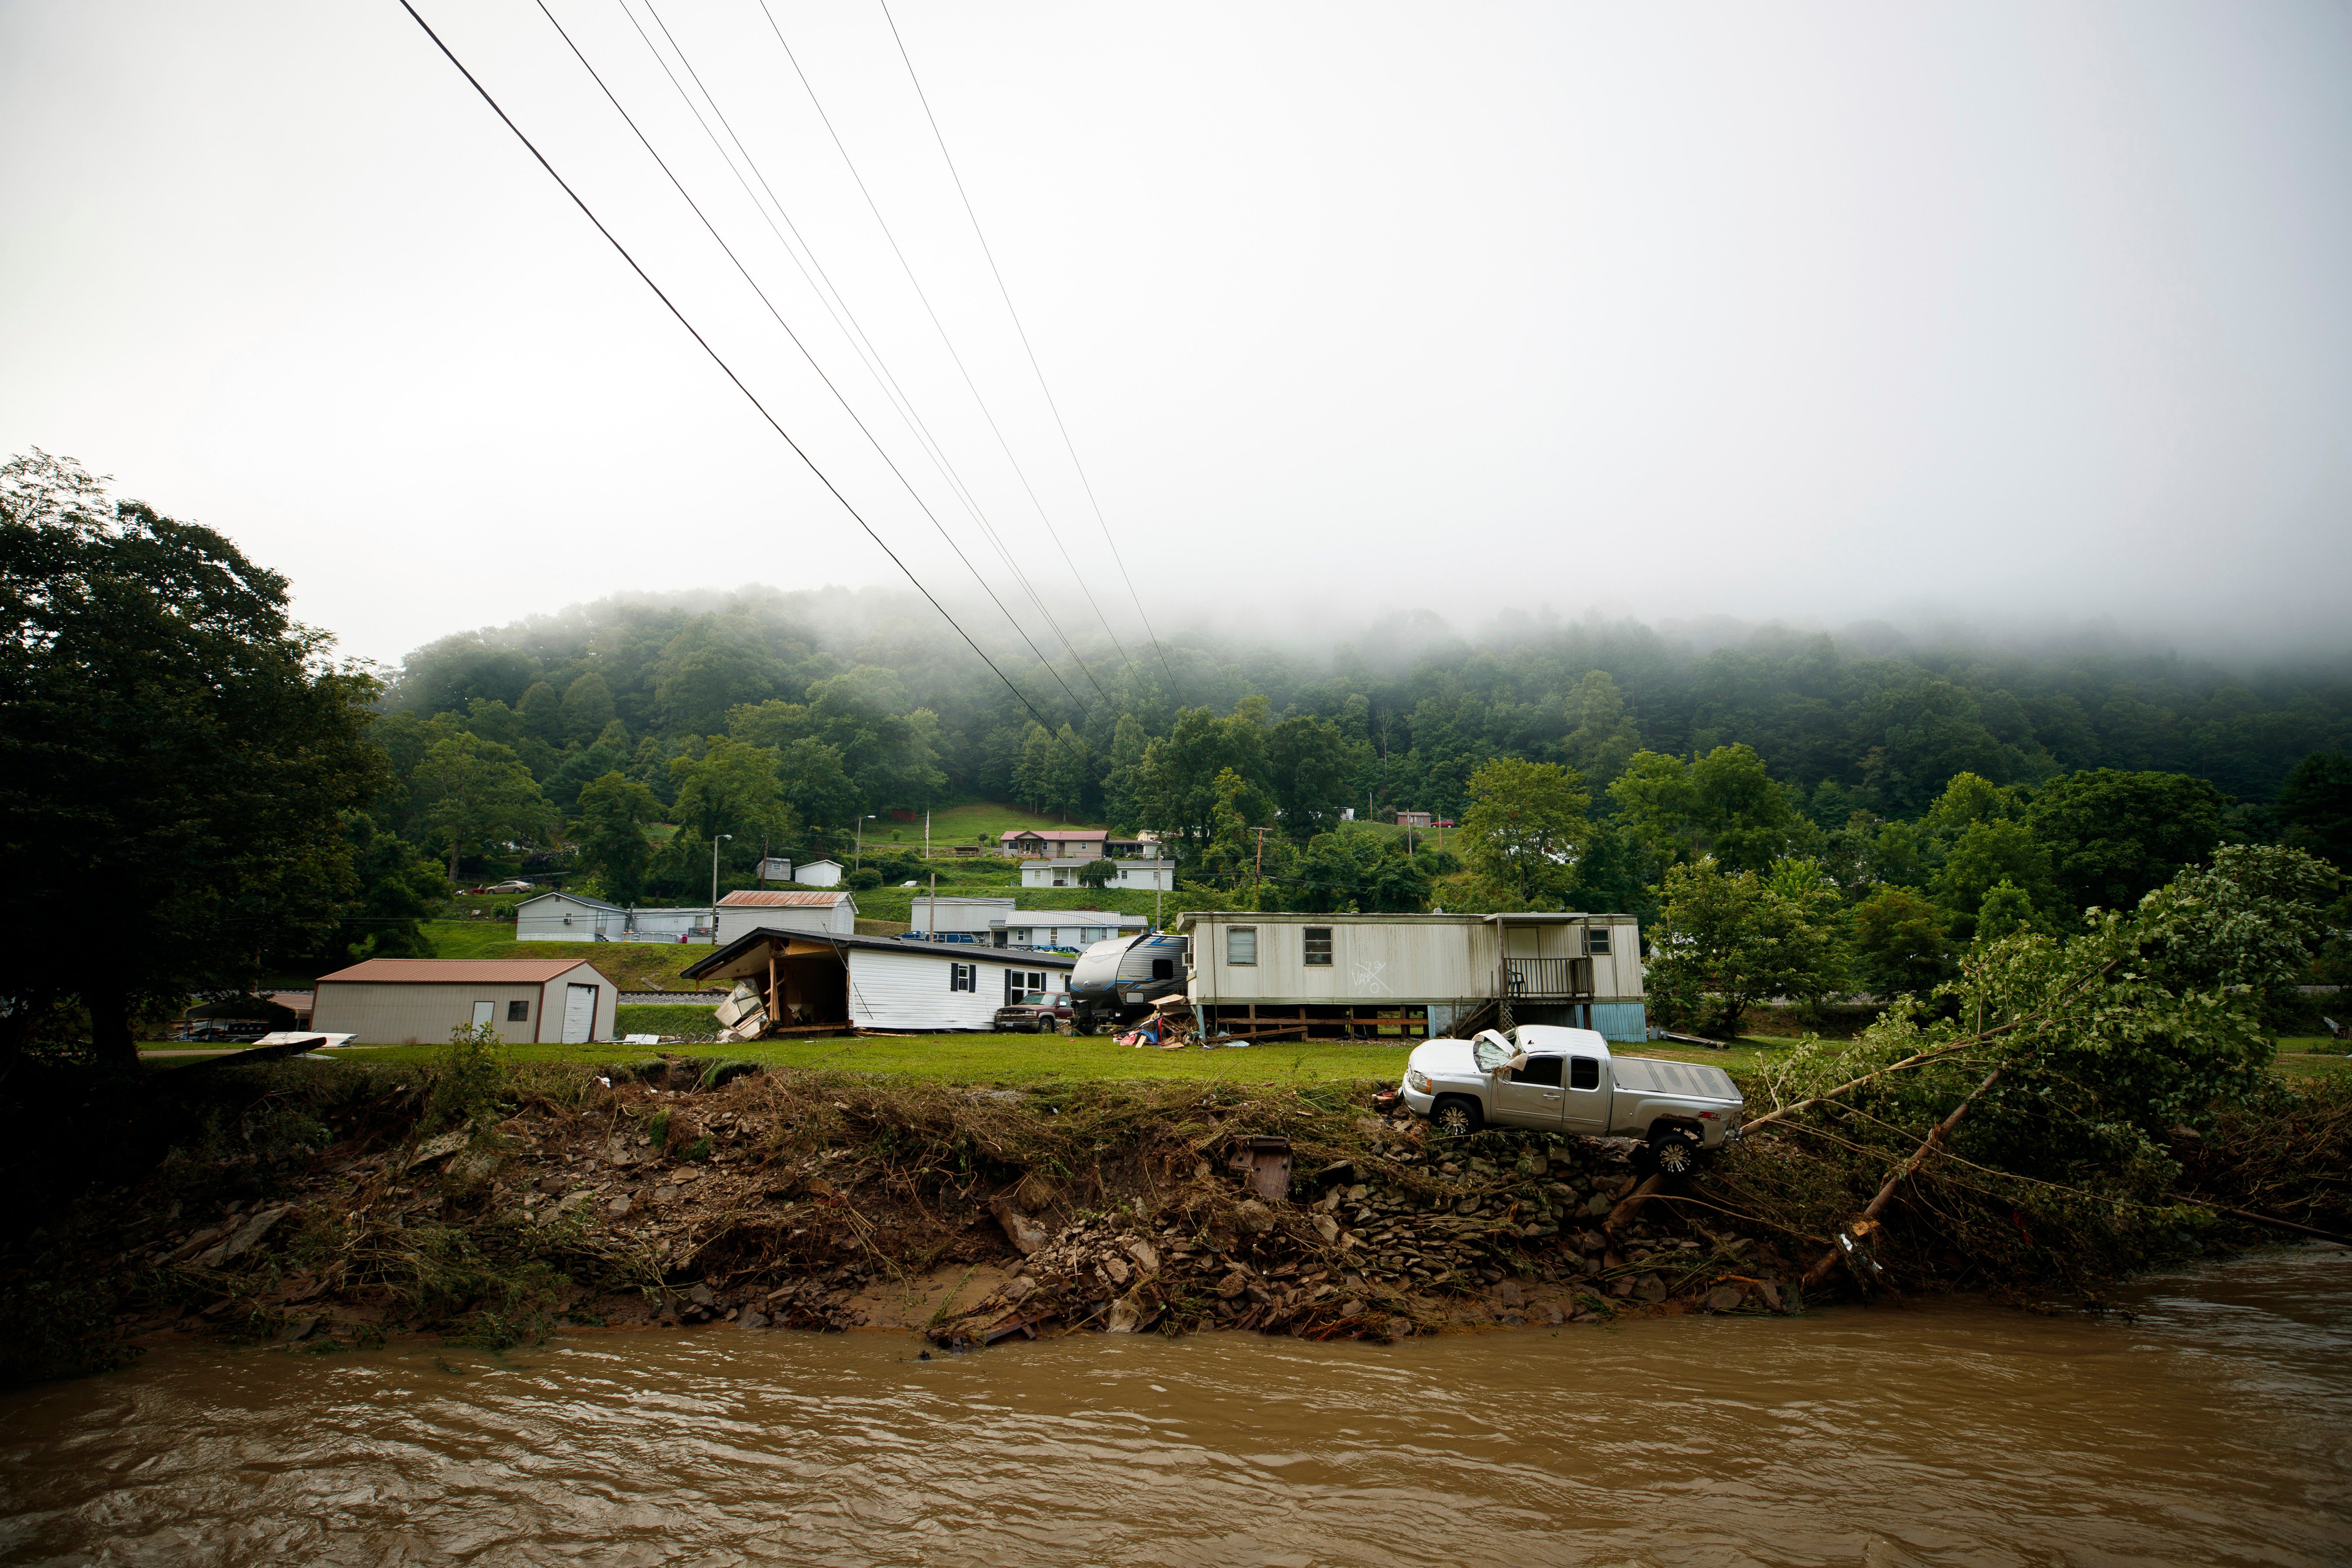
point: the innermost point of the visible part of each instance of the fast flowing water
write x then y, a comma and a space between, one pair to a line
2212, 1427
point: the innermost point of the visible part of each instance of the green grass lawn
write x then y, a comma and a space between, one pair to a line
997, 1059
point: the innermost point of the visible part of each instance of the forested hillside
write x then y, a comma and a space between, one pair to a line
1848, 721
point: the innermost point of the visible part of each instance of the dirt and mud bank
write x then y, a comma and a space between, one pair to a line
325, 1204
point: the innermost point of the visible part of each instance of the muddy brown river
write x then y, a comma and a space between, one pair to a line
2214, 1426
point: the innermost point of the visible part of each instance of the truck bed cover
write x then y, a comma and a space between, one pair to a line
1649, 1075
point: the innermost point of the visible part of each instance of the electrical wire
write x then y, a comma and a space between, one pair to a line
1006, 294
986, 413
679, 187
860, 338
726, 369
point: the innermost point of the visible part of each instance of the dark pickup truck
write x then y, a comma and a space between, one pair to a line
1033, 1013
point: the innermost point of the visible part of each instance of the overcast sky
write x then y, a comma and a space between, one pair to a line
2022, 311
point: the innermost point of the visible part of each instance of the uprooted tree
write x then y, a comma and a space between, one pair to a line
2041, 1126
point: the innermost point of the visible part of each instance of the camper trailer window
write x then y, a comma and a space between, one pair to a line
963, 976
1241, 945
1596, 938
1318, 945
1163, 968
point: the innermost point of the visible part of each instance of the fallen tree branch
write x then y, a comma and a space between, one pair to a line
1829, 1260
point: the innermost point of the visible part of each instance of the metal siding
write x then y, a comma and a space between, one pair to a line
910, 991
1621, 1020
378, 1013
741, 920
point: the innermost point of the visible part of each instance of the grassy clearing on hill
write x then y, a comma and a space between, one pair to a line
964, 824
631, 965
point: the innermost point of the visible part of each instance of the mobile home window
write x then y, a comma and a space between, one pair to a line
1318, 945
963, 976
1596, 939
1241, 945
1017, 980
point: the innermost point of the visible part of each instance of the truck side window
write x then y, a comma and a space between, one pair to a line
1544, 1070
1584, 1072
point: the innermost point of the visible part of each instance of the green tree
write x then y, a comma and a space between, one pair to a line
1725, 804
586, 709
732, 789
1728, 940
1601, 734
1525, 827
1053, 772
615, 812
474, 796
399, 889
813, 784
1097, 874
1987, 853
1899, 946
2315, 807
541, 712
174, 741
1311, 766
2115, 836
2007, 910
1177, 782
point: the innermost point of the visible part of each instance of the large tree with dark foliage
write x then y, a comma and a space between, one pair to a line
175, 765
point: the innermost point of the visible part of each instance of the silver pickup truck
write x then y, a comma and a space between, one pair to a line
1567, 1081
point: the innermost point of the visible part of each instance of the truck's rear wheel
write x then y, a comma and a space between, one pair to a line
1673, 1150
1455, 1117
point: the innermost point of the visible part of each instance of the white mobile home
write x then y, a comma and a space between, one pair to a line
940, 915
1074, 928
1345, 975
781, 909
573, 917
1143, 875
422, 1001
816, 981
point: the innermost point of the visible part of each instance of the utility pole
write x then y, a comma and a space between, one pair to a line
714, 885
927, 847
1257, 873
931, 927
858, 860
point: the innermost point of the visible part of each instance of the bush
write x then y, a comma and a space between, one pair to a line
864, 879
467, 1079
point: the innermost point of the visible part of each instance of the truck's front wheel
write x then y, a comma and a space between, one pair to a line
1455, 1117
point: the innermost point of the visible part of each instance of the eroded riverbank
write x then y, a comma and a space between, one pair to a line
2213, 1424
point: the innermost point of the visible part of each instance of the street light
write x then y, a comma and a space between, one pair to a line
714, 886
858, 860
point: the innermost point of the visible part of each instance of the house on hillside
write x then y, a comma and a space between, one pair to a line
1143, 875
819, 873
1061, 928
748, 909
572, 917
816, 981
1081, 844
422, 1001
1342, 976
1415, 819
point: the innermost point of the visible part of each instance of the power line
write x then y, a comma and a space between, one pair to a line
986, 413
688, 198
1006, 294
860, 338
725, 369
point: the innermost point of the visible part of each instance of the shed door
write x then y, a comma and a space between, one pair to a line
484, 1012
579, 1015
